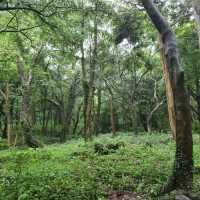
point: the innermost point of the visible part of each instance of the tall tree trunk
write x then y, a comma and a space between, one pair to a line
143, 120
89, 87
112, 113
44, 109
134, 118
70, 106
63, 122
112, 116
7, 113
198, 98
48, 118
169, 94
77, 119
182, 176
98, 114
25, 112
84, 78
196, 6
6, 109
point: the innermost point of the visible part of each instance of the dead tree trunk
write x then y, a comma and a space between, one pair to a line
182, 175
169, 94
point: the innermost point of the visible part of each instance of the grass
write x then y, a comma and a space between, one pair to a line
74, 171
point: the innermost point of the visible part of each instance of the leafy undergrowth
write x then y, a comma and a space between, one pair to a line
79, 171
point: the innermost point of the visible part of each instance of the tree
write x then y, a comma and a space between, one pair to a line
169, 94
26, 111
71, 101
6, 109
196, 6
182, 175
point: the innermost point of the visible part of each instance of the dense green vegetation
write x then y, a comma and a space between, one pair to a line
75, 171
72, 71
71, 58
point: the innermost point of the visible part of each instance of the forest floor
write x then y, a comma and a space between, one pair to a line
98, 170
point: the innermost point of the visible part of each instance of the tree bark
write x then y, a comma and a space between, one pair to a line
196, 6
182, 175
25, 112
77, 119
169, 94
84, 78
112, 113
98, 114
149, 117
112, 116
6, 109
70, 107
198, 98
88, 86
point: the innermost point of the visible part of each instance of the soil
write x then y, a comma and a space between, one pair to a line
122, 195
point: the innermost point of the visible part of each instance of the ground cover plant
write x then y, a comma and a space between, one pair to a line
76, 170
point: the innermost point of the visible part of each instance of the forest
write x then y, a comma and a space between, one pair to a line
99, 100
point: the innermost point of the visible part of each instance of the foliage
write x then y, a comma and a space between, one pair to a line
74, 171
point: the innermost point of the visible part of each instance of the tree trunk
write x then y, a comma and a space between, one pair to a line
149, 117
112, 113
134, 118
98, 115
44, 110
169, 94
196, 6
6, 109
89, 87
198, 98
7, 114
70, 107
84, 78
77, 119
182, 176
25, 112
63, 122
112, 116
